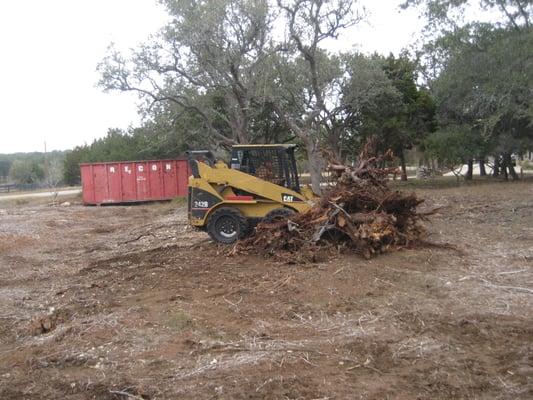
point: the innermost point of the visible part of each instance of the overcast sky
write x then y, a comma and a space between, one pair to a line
49, 52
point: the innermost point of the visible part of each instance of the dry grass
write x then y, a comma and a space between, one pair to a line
128, 302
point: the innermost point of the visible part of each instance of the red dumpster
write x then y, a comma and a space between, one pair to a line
133, 181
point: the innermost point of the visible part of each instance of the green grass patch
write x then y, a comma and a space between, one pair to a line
179, 321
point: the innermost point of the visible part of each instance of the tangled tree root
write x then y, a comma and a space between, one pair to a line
360, 213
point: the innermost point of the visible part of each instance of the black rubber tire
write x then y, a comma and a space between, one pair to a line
278, 213
226, 225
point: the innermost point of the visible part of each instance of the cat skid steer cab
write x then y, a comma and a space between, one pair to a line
261, 182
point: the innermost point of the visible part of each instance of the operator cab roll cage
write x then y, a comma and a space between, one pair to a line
273, 163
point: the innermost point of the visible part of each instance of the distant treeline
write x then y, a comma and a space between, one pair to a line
148, 142
32, 168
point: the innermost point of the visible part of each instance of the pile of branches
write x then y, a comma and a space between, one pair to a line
359, 213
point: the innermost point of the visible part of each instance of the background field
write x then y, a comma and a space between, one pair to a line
128, 301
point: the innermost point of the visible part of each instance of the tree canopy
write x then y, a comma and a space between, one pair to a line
223, 63
232, 71
480, 72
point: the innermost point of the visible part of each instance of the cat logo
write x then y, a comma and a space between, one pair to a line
287, 198
290, 198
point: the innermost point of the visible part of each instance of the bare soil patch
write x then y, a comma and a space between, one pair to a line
129, 302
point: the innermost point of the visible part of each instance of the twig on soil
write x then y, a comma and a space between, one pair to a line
231, 303
373, 369
129, 395
505, 287
464, 278
283, 283
511, 272
138, 238
507, 307
257, 389
12, 317
306, 360
361, 325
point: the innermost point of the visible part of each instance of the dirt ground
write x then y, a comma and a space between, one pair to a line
127, 302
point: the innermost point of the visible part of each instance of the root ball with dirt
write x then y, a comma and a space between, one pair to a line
359, 213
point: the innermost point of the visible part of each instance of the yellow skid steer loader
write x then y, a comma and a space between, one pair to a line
261, 182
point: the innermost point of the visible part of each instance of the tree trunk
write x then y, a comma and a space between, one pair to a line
470, 170
402, 163
496, 170
316, 165
238, 117
334, 142
482, 170
503, 167
509, 164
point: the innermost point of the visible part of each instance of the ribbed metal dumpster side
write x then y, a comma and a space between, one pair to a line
134, 181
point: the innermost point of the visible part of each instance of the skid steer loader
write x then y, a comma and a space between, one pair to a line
261, 182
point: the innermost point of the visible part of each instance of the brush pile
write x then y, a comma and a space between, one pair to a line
359, 213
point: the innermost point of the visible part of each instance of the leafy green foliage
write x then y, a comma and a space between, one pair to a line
26, 171
453, 146
207, 63
481, 74
159, 138
5, 165
384, 101
71, 165
32, 168
368, 97
223, 66
494, 99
